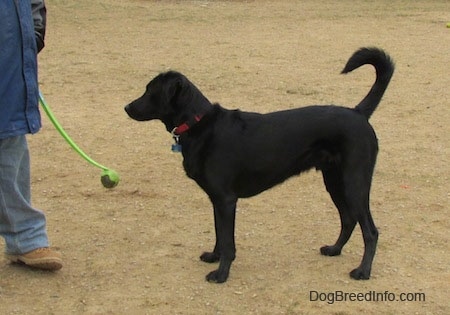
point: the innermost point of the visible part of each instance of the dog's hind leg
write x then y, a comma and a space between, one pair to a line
357, 182
225, 248
334, 184
350, 193
370, 236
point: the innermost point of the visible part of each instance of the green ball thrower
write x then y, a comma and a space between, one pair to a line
109, 177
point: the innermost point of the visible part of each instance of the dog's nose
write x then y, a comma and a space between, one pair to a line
131, 111
127, 109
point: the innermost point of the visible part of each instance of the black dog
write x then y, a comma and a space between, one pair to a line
233, 154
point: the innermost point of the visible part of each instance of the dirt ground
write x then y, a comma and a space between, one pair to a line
135, 249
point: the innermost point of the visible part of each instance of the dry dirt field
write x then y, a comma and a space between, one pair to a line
135, 249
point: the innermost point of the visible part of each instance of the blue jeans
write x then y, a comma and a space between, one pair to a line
22, 226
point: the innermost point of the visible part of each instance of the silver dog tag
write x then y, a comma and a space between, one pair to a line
176, 147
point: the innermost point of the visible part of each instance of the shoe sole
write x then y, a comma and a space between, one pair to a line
40, 263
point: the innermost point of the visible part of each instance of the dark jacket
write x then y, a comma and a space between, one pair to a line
19, 44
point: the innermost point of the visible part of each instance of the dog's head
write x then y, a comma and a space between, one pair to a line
169, 97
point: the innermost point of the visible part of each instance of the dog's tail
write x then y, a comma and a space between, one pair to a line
384, 67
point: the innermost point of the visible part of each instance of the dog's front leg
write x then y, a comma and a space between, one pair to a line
214, 256
225, 248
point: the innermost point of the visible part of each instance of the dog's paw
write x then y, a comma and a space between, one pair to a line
330, 250
217, 277
210, 257
359, 274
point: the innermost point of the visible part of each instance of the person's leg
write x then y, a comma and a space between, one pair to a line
22, 226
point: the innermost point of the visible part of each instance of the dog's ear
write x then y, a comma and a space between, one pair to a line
172, 87
182, 96
176, 89
179, 92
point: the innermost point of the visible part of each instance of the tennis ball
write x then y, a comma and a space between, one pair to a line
110, 178
448, 25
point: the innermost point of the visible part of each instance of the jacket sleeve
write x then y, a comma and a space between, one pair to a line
40, 21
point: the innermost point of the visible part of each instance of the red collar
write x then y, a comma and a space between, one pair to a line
177, 131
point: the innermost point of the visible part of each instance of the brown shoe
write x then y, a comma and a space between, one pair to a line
42, 258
